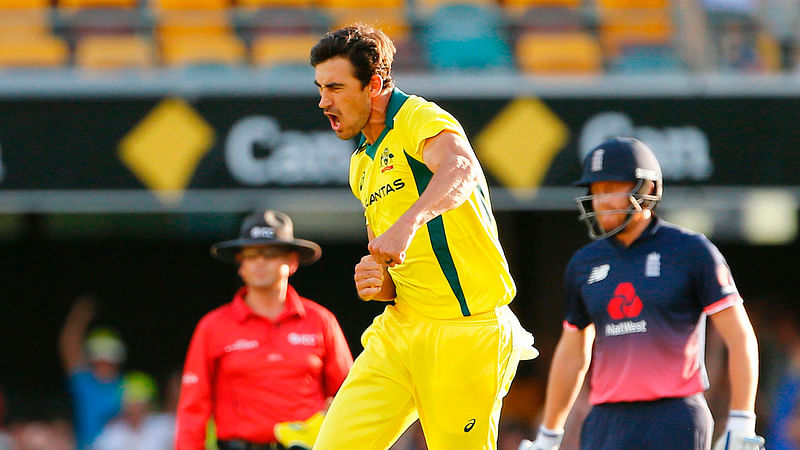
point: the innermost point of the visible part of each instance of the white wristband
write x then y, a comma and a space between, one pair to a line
550, 433
742, 422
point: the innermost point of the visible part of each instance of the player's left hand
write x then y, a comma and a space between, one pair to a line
299, 435
740, 433
390, 247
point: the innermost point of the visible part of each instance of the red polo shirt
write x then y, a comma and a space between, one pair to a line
250, 373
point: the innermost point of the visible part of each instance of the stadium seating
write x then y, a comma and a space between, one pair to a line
6, 5
282, 50
22, 22
559, 53
623, 27
203, 50
97, 4
34, 50
641, 59
392, 21
114, 52
361, 4
166, 5
633, 36
543, 4
465, 36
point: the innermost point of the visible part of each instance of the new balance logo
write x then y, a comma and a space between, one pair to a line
599, 273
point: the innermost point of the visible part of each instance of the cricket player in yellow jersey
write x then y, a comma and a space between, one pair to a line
447, 349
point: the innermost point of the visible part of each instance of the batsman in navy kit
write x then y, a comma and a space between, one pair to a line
640, 294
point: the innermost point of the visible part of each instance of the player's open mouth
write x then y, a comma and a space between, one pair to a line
336, 123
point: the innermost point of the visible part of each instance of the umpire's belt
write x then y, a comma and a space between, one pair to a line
244, 445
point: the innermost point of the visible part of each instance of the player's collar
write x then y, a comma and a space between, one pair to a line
647, 233
294, 306
396, 101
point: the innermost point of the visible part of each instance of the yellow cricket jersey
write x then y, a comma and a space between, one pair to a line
454, 266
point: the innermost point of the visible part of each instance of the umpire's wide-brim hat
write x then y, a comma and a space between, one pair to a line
264, 229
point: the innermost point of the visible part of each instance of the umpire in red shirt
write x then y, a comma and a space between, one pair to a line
268, 357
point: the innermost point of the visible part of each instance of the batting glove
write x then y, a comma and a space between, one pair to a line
740, 433
546, 439
299, 435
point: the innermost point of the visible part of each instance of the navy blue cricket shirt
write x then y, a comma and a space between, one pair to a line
649, 304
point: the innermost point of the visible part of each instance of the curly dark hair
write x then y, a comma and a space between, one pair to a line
369, 50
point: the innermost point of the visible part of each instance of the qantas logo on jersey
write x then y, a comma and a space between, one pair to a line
599, 273
625, 305
384, 191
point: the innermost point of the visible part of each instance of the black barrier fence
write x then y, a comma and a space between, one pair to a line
241, 143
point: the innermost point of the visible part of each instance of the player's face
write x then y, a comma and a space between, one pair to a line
611, 200
266, 267
344, 101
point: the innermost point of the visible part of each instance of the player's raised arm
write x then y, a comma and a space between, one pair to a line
455, 174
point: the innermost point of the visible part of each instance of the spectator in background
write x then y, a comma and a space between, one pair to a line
783, 428
92, 364
42, 435
139, 426
266, 364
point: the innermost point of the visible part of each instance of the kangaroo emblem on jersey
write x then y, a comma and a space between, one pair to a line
599, 273
386, 160
361, 180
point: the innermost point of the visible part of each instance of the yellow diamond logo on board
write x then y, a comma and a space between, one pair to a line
163, 150
519, 144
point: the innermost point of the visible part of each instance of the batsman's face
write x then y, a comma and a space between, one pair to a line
266, 267
611, 196
344, 101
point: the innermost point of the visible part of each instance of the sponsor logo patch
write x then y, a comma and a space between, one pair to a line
598, 273
241, 344
469, 425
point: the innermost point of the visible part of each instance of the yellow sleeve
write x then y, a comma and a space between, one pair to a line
426, 120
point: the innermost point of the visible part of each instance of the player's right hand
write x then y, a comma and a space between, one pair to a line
546, 439
368, 277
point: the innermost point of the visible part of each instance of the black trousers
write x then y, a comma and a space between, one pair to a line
666, 424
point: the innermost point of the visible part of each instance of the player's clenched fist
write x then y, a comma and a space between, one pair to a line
368, 277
